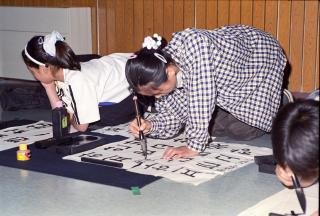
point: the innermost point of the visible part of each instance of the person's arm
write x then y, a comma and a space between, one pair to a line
201, 91
78, 127
51, 93
163, 125
170, 117
53, 98
190, 50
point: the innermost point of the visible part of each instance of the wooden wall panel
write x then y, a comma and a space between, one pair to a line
148, 17
168, 16
223, 13
271, 17
101, 26
309, 46
246, 12
158, 17
189, 14
121, 25
201, 13
128, 26
284, 25
94, 29
296, 45
120, 42
178, 15
235, 12
111, 28
137, 24
259, 9
211, 14
318, 56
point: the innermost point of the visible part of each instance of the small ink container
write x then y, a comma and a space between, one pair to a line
23, 154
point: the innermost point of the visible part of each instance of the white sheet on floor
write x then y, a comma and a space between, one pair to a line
13, 136
218, 158
284, 202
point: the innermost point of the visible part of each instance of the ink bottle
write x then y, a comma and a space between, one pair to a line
60, 126
23, 154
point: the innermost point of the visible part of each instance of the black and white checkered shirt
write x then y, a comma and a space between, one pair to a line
238, 68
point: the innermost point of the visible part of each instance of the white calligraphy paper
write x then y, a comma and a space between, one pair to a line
13, 136
284, 202
218, 158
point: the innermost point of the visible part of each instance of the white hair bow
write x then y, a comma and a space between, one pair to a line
49, 43
150, 43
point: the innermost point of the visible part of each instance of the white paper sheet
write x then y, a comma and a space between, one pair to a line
13, 136
284, 202
218, 159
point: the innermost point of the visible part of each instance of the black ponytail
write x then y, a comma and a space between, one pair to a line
65, 57
146, 68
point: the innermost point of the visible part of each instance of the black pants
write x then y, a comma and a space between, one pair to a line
225, 124
116, 114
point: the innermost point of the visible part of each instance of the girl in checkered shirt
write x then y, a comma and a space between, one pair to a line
222, 82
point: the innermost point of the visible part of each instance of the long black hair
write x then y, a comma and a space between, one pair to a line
295, 137
65, 57
144, 67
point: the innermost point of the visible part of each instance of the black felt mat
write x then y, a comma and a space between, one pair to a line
47, 161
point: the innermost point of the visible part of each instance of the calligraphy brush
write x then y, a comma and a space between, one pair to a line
142, 138
299, 192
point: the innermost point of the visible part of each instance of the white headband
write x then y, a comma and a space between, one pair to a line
49, 46
32, 59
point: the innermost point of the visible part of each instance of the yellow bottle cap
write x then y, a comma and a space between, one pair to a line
23, 147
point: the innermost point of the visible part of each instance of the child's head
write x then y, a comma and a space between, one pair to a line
295, 140
51, 51
147, 68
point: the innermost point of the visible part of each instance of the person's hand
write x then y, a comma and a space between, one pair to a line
179, 152
284, 176
316, 213
145, 127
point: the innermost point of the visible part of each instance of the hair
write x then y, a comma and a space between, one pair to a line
145, 68
295, 137
65, 57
